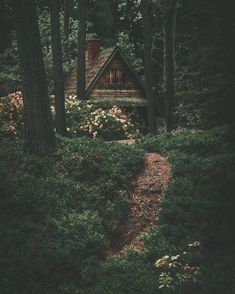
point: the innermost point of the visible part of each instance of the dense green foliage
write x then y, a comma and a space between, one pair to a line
199, 201
198, 205
59, 213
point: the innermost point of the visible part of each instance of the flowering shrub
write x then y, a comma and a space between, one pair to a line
176, 271
188, 117
85, 119
11, 115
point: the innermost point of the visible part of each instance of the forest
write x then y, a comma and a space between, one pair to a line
117, 154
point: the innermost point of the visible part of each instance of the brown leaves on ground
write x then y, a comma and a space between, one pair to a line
148, 188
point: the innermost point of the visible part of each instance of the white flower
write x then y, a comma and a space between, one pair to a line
175, 257
194, 244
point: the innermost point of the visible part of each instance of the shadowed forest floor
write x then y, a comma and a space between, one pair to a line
149, 187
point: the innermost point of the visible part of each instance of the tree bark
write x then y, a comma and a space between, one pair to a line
39, 135
58, 68
169, 60
66, 27
5, 26
81, 56
152, 124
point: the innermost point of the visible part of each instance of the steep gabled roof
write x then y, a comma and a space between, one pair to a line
102, 61
95, 69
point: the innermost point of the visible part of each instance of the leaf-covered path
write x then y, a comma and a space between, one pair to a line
148, 188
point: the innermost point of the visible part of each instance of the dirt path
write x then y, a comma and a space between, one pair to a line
148, 188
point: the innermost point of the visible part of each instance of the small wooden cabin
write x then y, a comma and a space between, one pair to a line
110, 79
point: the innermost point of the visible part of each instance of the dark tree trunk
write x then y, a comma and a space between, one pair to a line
66, 27
5, 26
58, 68
81, 58
148, 66
39, 135
169, 59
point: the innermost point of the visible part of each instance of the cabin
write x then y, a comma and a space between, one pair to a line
110, 79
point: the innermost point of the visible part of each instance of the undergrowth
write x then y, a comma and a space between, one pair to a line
59, 213
198, 205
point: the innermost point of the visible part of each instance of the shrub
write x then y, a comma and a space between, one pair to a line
129, 274
188, 116
103, 173
178, 272
187, 140
198, 203
11, 115
84, 118
58, 214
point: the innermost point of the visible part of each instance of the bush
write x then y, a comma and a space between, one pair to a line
11, 116
84, 118
182, 270
129, 274
103, 173
199, 201
188, 140
58, 214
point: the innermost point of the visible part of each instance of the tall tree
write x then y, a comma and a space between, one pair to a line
66, 25
39, 135
5, 25
58, 67
148, 66
81, 58
169, 9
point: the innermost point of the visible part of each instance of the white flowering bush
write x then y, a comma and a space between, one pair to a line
85, 119
179, 270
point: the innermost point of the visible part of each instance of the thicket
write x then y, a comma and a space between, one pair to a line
59, 213
198, 205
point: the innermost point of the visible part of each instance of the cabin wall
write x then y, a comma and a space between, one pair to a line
129, 89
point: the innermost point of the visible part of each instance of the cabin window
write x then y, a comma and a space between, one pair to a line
115, 76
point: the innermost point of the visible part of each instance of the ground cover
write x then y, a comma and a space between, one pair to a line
60, 213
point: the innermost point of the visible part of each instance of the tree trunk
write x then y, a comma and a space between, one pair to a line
5, 26
66, 27
39, 135
81, 58
152, 124
58, 67
169, 60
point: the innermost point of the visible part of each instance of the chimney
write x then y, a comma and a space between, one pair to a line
93, 49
